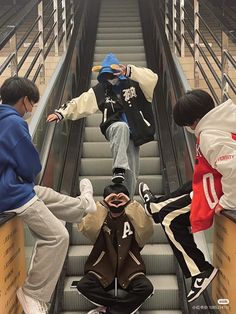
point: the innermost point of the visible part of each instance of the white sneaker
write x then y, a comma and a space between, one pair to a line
98, 310
86, 190
31, 305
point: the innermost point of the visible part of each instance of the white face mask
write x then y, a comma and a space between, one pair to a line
189, 130
114, 81
27, 115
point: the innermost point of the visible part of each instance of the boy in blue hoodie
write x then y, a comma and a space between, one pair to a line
39, 207
123, 95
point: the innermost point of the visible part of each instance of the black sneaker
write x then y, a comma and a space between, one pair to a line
146, 196
200, 283
118, 176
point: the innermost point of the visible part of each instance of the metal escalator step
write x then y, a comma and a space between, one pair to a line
117, 19
102, 149
77, 238
94, 120
93, 134
120, 14
98, 57
119, 42
116, 50
158, 259
165, 295
89, 166
128, 23
114, 36
99, 182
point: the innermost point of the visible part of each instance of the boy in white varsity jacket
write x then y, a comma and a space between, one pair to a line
212, 188
123, 95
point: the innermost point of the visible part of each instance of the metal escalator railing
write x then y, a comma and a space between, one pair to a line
188, 26
50, 25
177, 147
226, 13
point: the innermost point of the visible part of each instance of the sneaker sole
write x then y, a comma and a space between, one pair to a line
140, 193
215, 271
118, 180
20, 296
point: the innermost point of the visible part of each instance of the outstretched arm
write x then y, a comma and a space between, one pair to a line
76, 108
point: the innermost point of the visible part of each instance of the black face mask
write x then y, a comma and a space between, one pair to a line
116, 210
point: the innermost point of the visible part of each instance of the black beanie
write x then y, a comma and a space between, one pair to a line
115, 188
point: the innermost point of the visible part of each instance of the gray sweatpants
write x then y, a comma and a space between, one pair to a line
52, 238
125, 155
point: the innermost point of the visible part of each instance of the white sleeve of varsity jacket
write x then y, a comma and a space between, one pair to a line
145, 77
219, 149
79, 107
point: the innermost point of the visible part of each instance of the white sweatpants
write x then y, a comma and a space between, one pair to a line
52, 238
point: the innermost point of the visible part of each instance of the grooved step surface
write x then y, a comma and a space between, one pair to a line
89, 167
154, 182
102, 150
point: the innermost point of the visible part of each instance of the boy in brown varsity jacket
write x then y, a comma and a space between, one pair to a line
123, 95
119, 230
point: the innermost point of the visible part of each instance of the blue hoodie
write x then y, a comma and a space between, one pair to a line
19, 160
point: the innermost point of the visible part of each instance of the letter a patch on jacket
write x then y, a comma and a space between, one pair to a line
127, 230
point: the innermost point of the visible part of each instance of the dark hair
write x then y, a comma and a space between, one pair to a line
14, 88
192, 106
115, 188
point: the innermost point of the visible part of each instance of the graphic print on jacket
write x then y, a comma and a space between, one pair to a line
115, 253
207, 191
132, 103
128, 100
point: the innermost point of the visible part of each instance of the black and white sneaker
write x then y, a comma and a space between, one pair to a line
118, 176
200, 283
146, 196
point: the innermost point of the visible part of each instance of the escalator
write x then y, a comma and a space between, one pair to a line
119, 31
